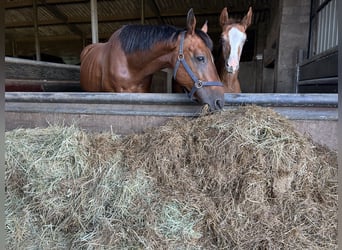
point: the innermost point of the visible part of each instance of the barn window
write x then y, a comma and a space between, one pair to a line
323, 32
318, 72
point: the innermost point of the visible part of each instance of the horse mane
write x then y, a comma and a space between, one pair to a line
139, 37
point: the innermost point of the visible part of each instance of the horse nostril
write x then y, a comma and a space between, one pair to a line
218, 104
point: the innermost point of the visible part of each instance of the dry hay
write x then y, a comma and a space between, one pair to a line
241, 179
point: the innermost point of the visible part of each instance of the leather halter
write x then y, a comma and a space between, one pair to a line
197, 83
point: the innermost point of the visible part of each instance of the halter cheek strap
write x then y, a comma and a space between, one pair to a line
197, 83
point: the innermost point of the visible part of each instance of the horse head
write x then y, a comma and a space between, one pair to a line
233, 38
194, 67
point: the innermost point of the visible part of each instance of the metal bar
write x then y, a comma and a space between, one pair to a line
326, 28
319, 33
337, 6
94, 22
36, 30
105, 109
323, 26
39, 82
319, 81
39, 63
98, 98
297, 113
319, 100
333, 23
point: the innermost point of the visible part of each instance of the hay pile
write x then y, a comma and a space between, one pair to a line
241, 179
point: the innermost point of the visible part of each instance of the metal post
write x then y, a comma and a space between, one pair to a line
36, 31
94, 21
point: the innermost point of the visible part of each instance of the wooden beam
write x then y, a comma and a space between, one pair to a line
19, 39
28, 3
82, 20
155, 13
61, 16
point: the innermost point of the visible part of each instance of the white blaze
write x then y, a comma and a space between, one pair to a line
236, 40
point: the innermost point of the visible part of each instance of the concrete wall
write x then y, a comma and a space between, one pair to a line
287, 33
293, 36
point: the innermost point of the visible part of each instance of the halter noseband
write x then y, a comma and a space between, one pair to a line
197, 83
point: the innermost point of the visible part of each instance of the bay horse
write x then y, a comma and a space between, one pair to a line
133, 53
233, 38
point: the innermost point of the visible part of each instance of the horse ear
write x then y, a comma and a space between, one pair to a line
247, 20
191, 22
224, 17
205, 27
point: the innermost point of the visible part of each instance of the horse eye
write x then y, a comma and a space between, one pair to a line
200, 58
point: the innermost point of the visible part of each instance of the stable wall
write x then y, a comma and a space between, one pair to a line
287, 33
293, 36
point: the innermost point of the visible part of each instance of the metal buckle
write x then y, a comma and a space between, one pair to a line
199, 84
180, 57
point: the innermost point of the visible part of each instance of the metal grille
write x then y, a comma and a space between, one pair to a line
324, 30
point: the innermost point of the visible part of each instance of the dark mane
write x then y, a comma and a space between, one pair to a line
137, 37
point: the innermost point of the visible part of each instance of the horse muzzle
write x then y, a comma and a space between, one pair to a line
232, 65
213, 97
231, 68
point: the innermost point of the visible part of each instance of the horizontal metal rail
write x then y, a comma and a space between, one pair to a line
293, 106
315, 114
329, 80
293, 113
305, 100
22, 61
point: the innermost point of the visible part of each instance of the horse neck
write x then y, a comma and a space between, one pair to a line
159, 57
230, 81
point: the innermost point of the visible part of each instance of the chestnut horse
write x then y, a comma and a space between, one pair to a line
233, 38
133, 53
